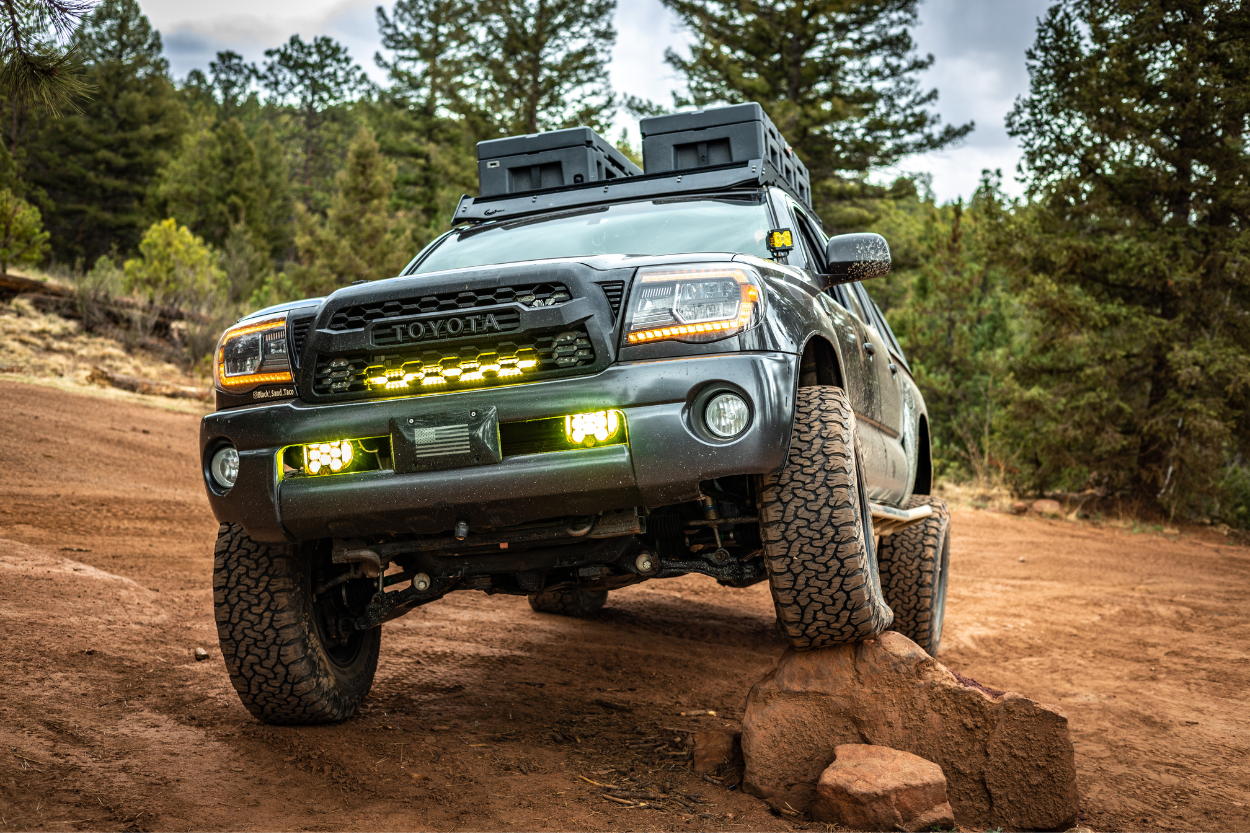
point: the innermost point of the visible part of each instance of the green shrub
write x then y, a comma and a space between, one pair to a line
176, 268
22, 238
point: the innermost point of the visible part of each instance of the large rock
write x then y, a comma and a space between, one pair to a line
1008, 760
875, 788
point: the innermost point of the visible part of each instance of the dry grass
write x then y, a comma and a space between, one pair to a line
46, 349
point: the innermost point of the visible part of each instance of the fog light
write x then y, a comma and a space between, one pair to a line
587, 429
727, 415
225, 467
328, 458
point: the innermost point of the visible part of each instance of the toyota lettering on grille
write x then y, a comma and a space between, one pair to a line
436, 329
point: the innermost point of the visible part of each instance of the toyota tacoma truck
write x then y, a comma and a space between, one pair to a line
600, 375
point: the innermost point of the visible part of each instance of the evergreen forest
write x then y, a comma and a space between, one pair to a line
1091, 336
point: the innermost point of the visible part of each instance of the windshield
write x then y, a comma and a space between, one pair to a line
655, 227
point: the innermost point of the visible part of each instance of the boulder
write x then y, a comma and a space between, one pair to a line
875, 788
1046, 506
1008, 760
714, 749
1019, 507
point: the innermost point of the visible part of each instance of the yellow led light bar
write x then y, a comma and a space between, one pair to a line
704, 330
417, 374
595, 427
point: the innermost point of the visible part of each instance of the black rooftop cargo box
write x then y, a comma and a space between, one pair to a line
520, 164
719, 136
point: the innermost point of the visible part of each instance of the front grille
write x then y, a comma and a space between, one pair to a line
531, 295
505, 359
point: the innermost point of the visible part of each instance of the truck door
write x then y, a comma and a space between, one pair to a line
888, 411
863, 384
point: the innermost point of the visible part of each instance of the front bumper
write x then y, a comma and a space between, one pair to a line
664, 462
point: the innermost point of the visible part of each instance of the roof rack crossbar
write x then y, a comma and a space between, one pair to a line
754, 173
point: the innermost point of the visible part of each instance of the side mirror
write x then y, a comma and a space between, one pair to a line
856, 257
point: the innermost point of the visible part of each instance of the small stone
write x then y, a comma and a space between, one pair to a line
713, 749
1047, 507
200, 655
1023, 559
878, 788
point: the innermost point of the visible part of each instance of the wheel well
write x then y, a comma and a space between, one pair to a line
924, 461
819, 365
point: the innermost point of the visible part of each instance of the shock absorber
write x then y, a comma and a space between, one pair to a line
711, 514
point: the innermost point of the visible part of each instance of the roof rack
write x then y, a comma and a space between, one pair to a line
754, 173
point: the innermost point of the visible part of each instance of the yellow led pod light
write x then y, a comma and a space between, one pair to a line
328, 458
736, 313
595, 427
278, 370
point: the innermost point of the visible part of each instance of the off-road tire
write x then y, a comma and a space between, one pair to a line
914, 564
569, 602
270, 638
817, 529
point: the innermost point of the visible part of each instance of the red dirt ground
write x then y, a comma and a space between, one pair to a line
485, 714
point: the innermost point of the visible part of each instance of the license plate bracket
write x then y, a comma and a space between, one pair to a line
447, 440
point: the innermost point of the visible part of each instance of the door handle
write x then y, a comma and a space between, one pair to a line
869, 349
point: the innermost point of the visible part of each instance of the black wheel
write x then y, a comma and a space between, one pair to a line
289, 656
817, 528
915, 563
569, 602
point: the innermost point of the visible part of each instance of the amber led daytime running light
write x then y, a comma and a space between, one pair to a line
750, 297
225, 381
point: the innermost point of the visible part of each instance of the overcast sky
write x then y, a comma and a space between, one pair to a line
978, 44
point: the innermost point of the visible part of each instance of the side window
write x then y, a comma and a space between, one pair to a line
844, 294
884, 327
810, 242
857, 291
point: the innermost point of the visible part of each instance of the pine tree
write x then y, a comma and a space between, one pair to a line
90, 172
214, 182
36, 68
838, 77
232, 79
543, 63
1136, 374
314, 78
359, 238
424, 121
432, 45
953, 317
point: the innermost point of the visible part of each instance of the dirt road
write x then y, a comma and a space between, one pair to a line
485, 714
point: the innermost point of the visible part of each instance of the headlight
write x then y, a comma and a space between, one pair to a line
696, 303
253, 353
